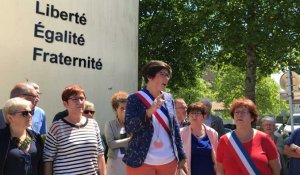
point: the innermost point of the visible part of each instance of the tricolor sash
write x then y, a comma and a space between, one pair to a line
242, 153
148, 99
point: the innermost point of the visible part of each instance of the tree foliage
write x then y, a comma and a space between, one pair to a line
202, 89
259, 37
167, 31
228, 86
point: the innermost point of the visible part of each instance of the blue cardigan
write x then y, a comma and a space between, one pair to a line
141, 129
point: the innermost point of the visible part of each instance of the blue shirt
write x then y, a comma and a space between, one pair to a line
201, 160
294, 162
39, 123
208, 120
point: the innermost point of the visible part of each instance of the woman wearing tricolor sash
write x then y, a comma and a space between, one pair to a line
155, 147
246, 150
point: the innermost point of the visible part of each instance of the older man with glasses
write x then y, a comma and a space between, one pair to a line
28, 92
181, 112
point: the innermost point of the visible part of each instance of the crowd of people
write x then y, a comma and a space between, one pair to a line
150, 134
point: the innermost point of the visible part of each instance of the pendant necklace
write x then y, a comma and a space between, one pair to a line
158, 143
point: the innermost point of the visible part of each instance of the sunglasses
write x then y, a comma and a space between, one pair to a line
88, 111
25, 113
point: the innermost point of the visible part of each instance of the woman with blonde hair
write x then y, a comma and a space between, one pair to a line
20, 148
116, 137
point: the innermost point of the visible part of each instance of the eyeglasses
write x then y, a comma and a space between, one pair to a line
268, 124
32, 95
241, 112
89, 111
25, 113
75, 99
195, 113
164, 74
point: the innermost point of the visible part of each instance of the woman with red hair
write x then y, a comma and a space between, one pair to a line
246, 150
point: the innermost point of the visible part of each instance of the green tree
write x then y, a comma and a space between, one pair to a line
257, 36
228, 86
202, 89
167, 32
254, 35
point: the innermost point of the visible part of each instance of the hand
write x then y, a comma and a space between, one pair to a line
157, 103
294, 147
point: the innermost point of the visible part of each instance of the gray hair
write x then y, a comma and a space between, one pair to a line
12, 106
35, 86
207, 103
267, 118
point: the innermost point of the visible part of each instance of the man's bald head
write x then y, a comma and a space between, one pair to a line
25, 90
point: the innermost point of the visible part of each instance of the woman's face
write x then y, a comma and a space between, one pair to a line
268, 127
242, 116
196, 117
121, 112
160, 80
89, 112
75, 103
22, 118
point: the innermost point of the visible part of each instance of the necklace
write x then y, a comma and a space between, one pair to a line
21, 144
157, 143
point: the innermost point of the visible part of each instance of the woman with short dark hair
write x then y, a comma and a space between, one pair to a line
200, 142
155, 147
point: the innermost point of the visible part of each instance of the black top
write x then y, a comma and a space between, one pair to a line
60, 115
15, 161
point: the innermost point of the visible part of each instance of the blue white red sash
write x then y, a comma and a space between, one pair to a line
242, 154
147, 99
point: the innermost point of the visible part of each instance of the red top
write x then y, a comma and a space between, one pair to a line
261, 149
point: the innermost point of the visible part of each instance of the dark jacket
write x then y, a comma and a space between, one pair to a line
141, 129
5, 143
218, 125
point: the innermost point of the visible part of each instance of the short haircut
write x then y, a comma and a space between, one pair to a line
179, 100
88, 104
35, 86
206, 102
117, 98
244, 102
267, 118
153, 67
70, 91
20, 89
198, 106
13, 105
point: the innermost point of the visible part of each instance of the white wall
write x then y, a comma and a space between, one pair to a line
110, 33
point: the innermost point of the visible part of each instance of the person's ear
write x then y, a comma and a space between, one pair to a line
9, 118
66, 104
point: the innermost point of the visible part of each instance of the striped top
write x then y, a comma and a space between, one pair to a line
73, 149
